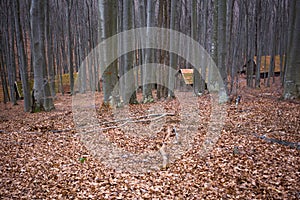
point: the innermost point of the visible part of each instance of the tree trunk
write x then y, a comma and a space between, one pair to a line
196, 74
129, 80
42, 95
69, 43
108, 21
10, 55
160, 72
3, 79
49, 40
249, 7
292, 76
213, 83
173, 57
165, 55
147, 71
285, 46
142, 16
222, 44
272, 45
203, 26
22, 58
258, 43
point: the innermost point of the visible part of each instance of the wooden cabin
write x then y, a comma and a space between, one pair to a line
184, 80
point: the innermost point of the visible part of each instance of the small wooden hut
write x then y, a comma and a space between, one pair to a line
184, 79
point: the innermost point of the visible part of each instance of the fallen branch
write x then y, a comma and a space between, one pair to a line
127, 120
130, 120
281, 142
136, 119
142, 120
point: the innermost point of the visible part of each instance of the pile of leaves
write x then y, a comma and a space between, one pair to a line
43, 156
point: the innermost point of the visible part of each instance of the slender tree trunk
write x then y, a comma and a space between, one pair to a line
272, 46
121, 45
232, 54
60, 63
258, 43
208, 33
173, 57
129, 82
237, 52
249, 50
165, 55
265, 36
69, 43
3, 79
49, 40
203, 26
10, 54
108, 20
282, 36
196, 74
147, 72
159, 73
222, 41
285, 42
142, 16
89, 47
22, 58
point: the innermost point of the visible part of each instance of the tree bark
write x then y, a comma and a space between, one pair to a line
108, 21
221, 52
173, 57
3, 79
272, 44
49, 43
292, 76
129, 79
196, 74
258, 42
69, 43
42, 95
147, 72
10, 53
22, 58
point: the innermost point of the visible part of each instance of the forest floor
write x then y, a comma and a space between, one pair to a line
256, 156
